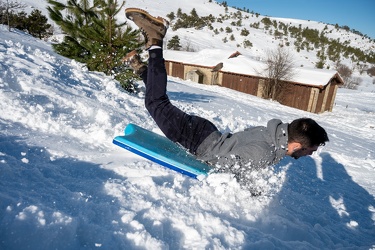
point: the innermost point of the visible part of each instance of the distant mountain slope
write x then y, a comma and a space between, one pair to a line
250, 34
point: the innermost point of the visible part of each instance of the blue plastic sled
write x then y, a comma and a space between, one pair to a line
161, 150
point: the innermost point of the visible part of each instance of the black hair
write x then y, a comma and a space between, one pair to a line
307, 132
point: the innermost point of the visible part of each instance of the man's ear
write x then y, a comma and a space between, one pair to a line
294, 146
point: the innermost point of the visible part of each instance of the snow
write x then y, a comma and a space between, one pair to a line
64, 185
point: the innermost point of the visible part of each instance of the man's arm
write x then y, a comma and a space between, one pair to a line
251, 156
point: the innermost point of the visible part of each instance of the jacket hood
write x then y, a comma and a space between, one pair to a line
279, 134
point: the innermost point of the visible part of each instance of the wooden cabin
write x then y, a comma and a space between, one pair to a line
312, 90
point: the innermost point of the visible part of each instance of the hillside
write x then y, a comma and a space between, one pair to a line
64, 185
263, 33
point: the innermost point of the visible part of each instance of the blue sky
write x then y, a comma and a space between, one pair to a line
357, 14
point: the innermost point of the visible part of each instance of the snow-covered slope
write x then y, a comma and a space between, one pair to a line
64, 185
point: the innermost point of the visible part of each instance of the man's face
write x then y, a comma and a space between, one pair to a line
303, 151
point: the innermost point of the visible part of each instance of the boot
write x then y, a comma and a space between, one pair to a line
133, 60
152, 28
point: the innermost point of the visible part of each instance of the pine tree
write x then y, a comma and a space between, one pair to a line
37, 24
174, 43
93, 35
18, 20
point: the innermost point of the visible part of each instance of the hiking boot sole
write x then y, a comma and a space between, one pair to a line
159, 21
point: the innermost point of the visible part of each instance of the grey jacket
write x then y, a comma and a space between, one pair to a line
255, 147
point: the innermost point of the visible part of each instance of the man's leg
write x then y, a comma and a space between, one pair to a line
178, 126
185, 129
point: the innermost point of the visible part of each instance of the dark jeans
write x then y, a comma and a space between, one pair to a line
187, 130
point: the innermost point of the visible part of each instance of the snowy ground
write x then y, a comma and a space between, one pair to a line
64, 185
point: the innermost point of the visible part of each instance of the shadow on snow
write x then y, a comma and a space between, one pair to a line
48, 203
319, 206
